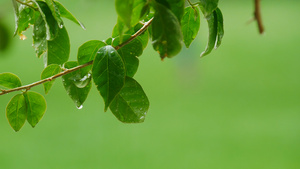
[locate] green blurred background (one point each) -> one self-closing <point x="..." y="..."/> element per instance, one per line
<point x="238" y="108"/>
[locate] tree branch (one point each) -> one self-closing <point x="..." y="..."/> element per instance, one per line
<point x="23" y="3"/>
<point x="67" y="71"/>
<point x="257" y="16"/>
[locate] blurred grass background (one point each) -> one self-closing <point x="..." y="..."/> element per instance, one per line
<point x="238" y="108"/>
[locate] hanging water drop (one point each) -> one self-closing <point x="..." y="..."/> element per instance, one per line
<point x="80" y="107"/>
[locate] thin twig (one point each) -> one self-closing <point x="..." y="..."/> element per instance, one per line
<point x="67" y="71"/>
<point x="23" y="3"/>
<point x="257" y="16"/>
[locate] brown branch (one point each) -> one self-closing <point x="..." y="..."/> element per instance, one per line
<point x="67" y="71"/>
<point x="257" y="16"/>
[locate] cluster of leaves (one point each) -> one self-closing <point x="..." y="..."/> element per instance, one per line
<point x="110" y="64"/>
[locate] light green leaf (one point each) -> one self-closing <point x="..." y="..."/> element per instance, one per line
<point x="213" y="32"/>
<point x="49" y="71"/>
<point x="176" y="6"/>
<point x="39" y="37"/>
<point x="58" y="49"/>
<point x="137" y="8"/>
<point x="55" y="12"/>
<point x="108" y="73"/>
<point x="78" y="95"/>
<point x="208" y="6"/>
<point x="36" y="107"/>
<point x="220" y="27"/>
<point x="87" y="52"/>
<point x="27" y="17"/>
<point x="16" y="13"/>
<point x="124" y="10"/>
<point x="132" y="104"/>
<point x="67" y="14"/>
<point x="129" y="53"/>
<point x="166" y="32"/>
<point x="190" y="25"/>
<point x="9" y="80"/>
<point x="16" y="112"/>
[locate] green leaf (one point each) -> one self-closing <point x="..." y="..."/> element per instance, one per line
<point x="208" y="6"/>
<point x="132" y="104"/>
<point x="118" y="29"/>
<point x="213" y="32"/>
<point x="176" y="6"/>
<point x="27" y="17"/>
<point x="87" y="52"/>
<point x="49" y="21"/>
<point x="108" y="73"/>
<point x="220" y="27"/>
<point x="16" y="13"/>
<point x="16" y="112"/>
<point x="39" y="37"/>
<point x="190" y="25"/>
<point x="55" y="12"/>
<point x="9" y="80"/>
<point x="36" y="107"/>
<point x="49" y="71"/>
<point x="166" y="32"/>
<point x="137" y="9"/>
<point x="124" y="10"/>
<point x="129" y="54"/>
<point x="58" y="49"/>
<point x="67" y="14"/>
<point x="78" y="95"/>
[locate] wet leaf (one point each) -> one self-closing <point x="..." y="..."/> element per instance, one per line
<point x="87" y="52"/>
<point x="27" y="17"/>
<point x="213" y="32"/>
<point x="16" y="112"/>
<point x="39" y="37"/>
<point x="55" y="12"/>
<point x="129" y="54"/>
<point x="67" y="14"/>
<point x="190" y="25"/>
<point x="166" y="32"/>
<point x="36" y="107"/>
<point x="49" y="71"/>
<point x="58" y="49"/>
<point x="108" y="73"/>
<point x="78" y="95"/>
<point x="132" y="104"/>
<point x="9" y="80"/>
<point x="220" y="27"/>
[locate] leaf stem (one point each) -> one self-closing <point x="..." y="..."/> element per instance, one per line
<point x="67" y="71"/>
<point x="257" y="16"/>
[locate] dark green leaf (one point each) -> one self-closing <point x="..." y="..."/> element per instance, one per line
<point x="50" y="22"/>
<point x="213" y="32"/>
<point x="16" y="112"/>
<point x="9" y="80"/>
<point x="220" y="27"/>
<point x="78" y="95"/>
<point x="88" y="51"/>
<point x="36" y="107"/>
<point x="132" y="104"/>
<point x="55" y="12"/>
<point x="124" y="10"/>
<point x="108" y="73"/>
<point x="48" y="72"/>
<point x="208" y="6"/>
<point x="190" y="25"/>
<point x="166" y="32"/>
<point x="67" y="14"/>
<point x="129" y="53"/>
<point x="58" y="49"/>
<point x="27" y="17"/>
<point x="176" y="6"/>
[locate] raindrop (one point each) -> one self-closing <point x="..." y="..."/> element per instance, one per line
<point x="80" y="107"/>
